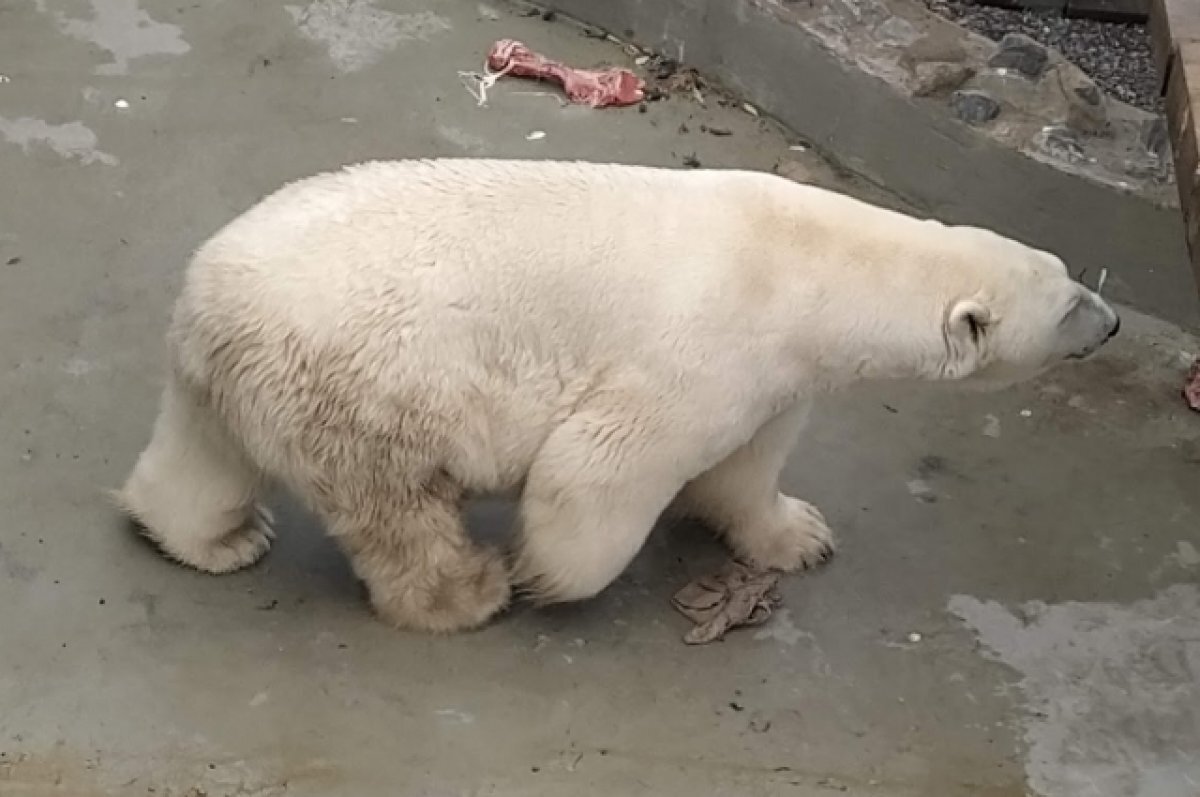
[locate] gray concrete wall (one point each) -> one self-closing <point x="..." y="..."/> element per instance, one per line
<point x="913" y="147"/>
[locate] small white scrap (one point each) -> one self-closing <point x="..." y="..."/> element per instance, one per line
<point x="258" y="700"/>
<point x="122" y="104"/>
<point x="641" y="60"/>
<point x="5" y="79"/>
<point x="349" y="120"/>
<point x="455" y="715"/>
<point x="921" y="490"/>
<point x="1026" y="413"/>
<point x="536" y="135"/>
<point x="1100" y="282"/>
<point x="478" y="83"/>
<point x="750" y="109"/>
<point x="914" y="637"/>
<point x="798" y="148"/>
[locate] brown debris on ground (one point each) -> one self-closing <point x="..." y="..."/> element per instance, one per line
<point x="737" y="596"/>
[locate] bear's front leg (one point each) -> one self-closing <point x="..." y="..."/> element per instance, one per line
<point x="594" y="492"/>
<point x="740" y="498"/>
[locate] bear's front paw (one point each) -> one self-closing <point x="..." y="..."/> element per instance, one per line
<point x="442" y="597"/>
<point x="794" y="538"/>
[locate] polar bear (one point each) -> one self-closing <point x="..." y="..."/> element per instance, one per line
<point x="608" y="341"/>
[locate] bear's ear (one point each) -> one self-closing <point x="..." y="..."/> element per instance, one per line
<point x="968" y="321"/>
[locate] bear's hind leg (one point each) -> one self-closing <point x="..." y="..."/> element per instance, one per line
<point x="194" y="492"/>
<point x="422" y="570"/>
<point x="740" y="497"/>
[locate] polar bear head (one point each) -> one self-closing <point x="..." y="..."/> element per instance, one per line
<point x="1015" y="311"/>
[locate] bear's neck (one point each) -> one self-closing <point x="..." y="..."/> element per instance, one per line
<point x="867" y="337"/>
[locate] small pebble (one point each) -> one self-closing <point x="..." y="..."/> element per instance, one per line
<point x="122" y="104"/>
<point x="536" y="135"/>
<point x="914" y="637"/>
<point x="1026" y="413"/>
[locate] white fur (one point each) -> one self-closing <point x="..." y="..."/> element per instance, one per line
<point x="609" y="340"/>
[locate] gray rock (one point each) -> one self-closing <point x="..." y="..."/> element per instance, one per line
<point x="974" y="107"/>
<point x="1150" y="168"/>
<point x="1060" y="143"/>
<point x="1155" y="139"/>
<point x="939" y="45"/>
<point x="1018" y="51"/>
<point x="1087" y="112"/>
<point x="862" y="11"/>
<point x="1116" y="56"/>
<point x="1090" y="94"/>
<point x="896" y="32"/>
<point x="938" y="77"/>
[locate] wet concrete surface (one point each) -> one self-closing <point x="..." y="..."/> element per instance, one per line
<point x="985" y="539"/>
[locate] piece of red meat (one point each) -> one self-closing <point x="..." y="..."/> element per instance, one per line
<point x="1191" y="388"/>
<point x="594" y="87"/>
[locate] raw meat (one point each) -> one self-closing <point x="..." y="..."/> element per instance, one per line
<point x="595" y="87"/>
<point x="1191" y="388"/>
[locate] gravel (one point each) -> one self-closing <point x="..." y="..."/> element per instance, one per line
<point x="1116" y="56"/>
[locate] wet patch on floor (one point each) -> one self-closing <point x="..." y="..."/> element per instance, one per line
<point x="1112" y="692"/>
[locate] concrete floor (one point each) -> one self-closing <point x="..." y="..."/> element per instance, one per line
<point x="1014" y="609"/>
